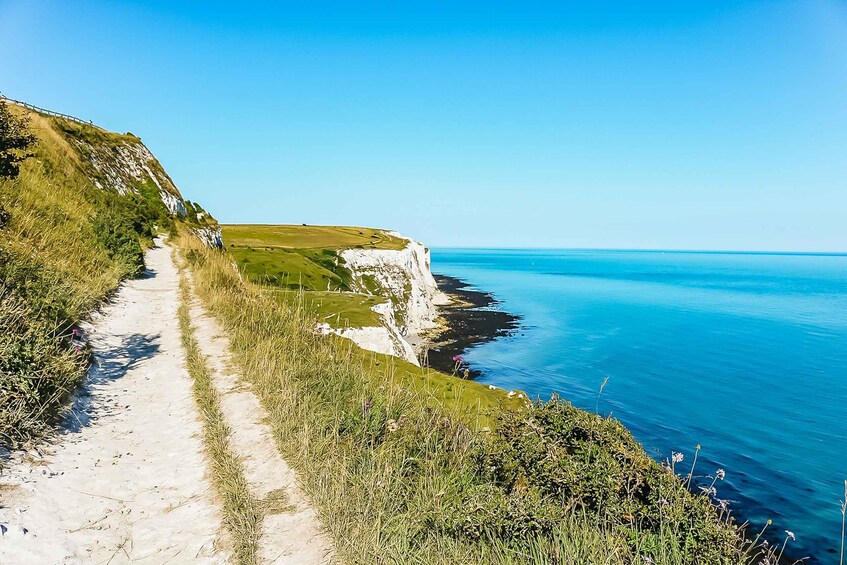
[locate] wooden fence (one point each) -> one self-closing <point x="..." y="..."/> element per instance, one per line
<point x="48" y="112"/>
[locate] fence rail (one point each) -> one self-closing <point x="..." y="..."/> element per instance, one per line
<point x="5" y="98"/>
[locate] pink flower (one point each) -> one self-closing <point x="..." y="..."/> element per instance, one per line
<point x="457" y="358"/>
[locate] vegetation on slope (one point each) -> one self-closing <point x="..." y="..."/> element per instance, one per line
<point x="64" y="245"/>
<point x="306" y="258"/>
<point x="411" y="466"/>
<point x="241" y="511"/>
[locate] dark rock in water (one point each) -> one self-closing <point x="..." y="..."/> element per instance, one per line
<point x="471" y="319"/>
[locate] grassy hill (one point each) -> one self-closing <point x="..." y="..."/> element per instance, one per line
<point x="294" y="264"/>
<point x="302" y="262"/>
<point x="75" y="222"/>
<point x="311" y="237"/>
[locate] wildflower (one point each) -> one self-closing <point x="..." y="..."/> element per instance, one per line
<point x="677" y="457"/>
<point x="457" y="358"/>
<point x="790" y="535"/>
<point x="720" y="474"/>
<point x="664" y="501"/>
<point x="367" y="405"/>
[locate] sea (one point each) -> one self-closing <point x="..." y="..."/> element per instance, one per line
<point x="744" y="354"/>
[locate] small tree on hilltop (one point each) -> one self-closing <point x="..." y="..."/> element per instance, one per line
<point x="15" y="140"/>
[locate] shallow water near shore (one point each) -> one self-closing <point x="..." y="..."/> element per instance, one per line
<point x="742" y="353"/>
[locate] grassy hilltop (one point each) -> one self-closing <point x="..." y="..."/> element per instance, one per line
<point x="288" y="258"/>
<point x="273" y="257"/>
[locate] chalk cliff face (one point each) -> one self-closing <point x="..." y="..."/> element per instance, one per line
<point x="123" y="166"/>
<point x="210" y="236"/>
<point x="404" y="278"/>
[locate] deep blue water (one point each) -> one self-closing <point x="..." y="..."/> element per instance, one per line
<point x="744" y="354"/>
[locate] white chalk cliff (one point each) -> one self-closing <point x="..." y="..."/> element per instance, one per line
<point x="122" y="166"/>
<point x="125" y="165"/>
<point x="403" y="277"/>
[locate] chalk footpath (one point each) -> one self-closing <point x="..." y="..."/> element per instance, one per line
<point x="126" y="478"/>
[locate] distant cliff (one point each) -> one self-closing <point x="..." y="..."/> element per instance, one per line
<point x="403" y="277"/>
<point x="369" y="285"/>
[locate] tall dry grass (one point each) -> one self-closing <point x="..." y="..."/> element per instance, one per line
<point x="52" y="272"/>
<point x="241" y="512"/>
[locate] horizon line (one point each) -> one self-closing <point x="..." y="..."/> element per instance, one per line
<point x="647" y="250"/>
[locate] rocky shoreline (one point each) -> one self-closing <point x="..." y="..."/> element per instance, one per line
<point x="471" y="318"/>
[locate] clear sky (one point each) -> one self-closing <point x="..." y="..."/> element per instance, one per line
<point x="678" y="125"/>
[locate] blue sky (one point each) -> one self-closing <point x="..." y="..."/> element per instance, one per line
<point x="679" y="125"/>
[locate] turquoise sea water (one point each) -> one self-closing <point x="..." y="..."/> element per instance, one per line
<point x="744" y="354"/>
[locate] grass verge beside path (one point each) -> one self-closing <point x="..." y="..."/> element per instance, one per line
<point x="241" y="512"/>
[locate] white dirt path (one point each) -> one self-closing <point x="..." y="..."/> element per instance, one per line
<point x="126" y="479"/>
<point x="292" y="536"/>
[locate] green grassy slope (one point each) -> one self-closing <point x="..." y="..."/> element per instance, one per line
<point x="305" y="258"/>
<point x="296" y="264"/>
<point x="64" y="245"/>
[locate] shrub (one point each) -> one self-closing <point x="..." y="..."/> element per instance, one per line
<point x="116" y="232"/>
<point x="558" y="459"/>
<point x="15" y="141"/>
<point x="37" y="371"/>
